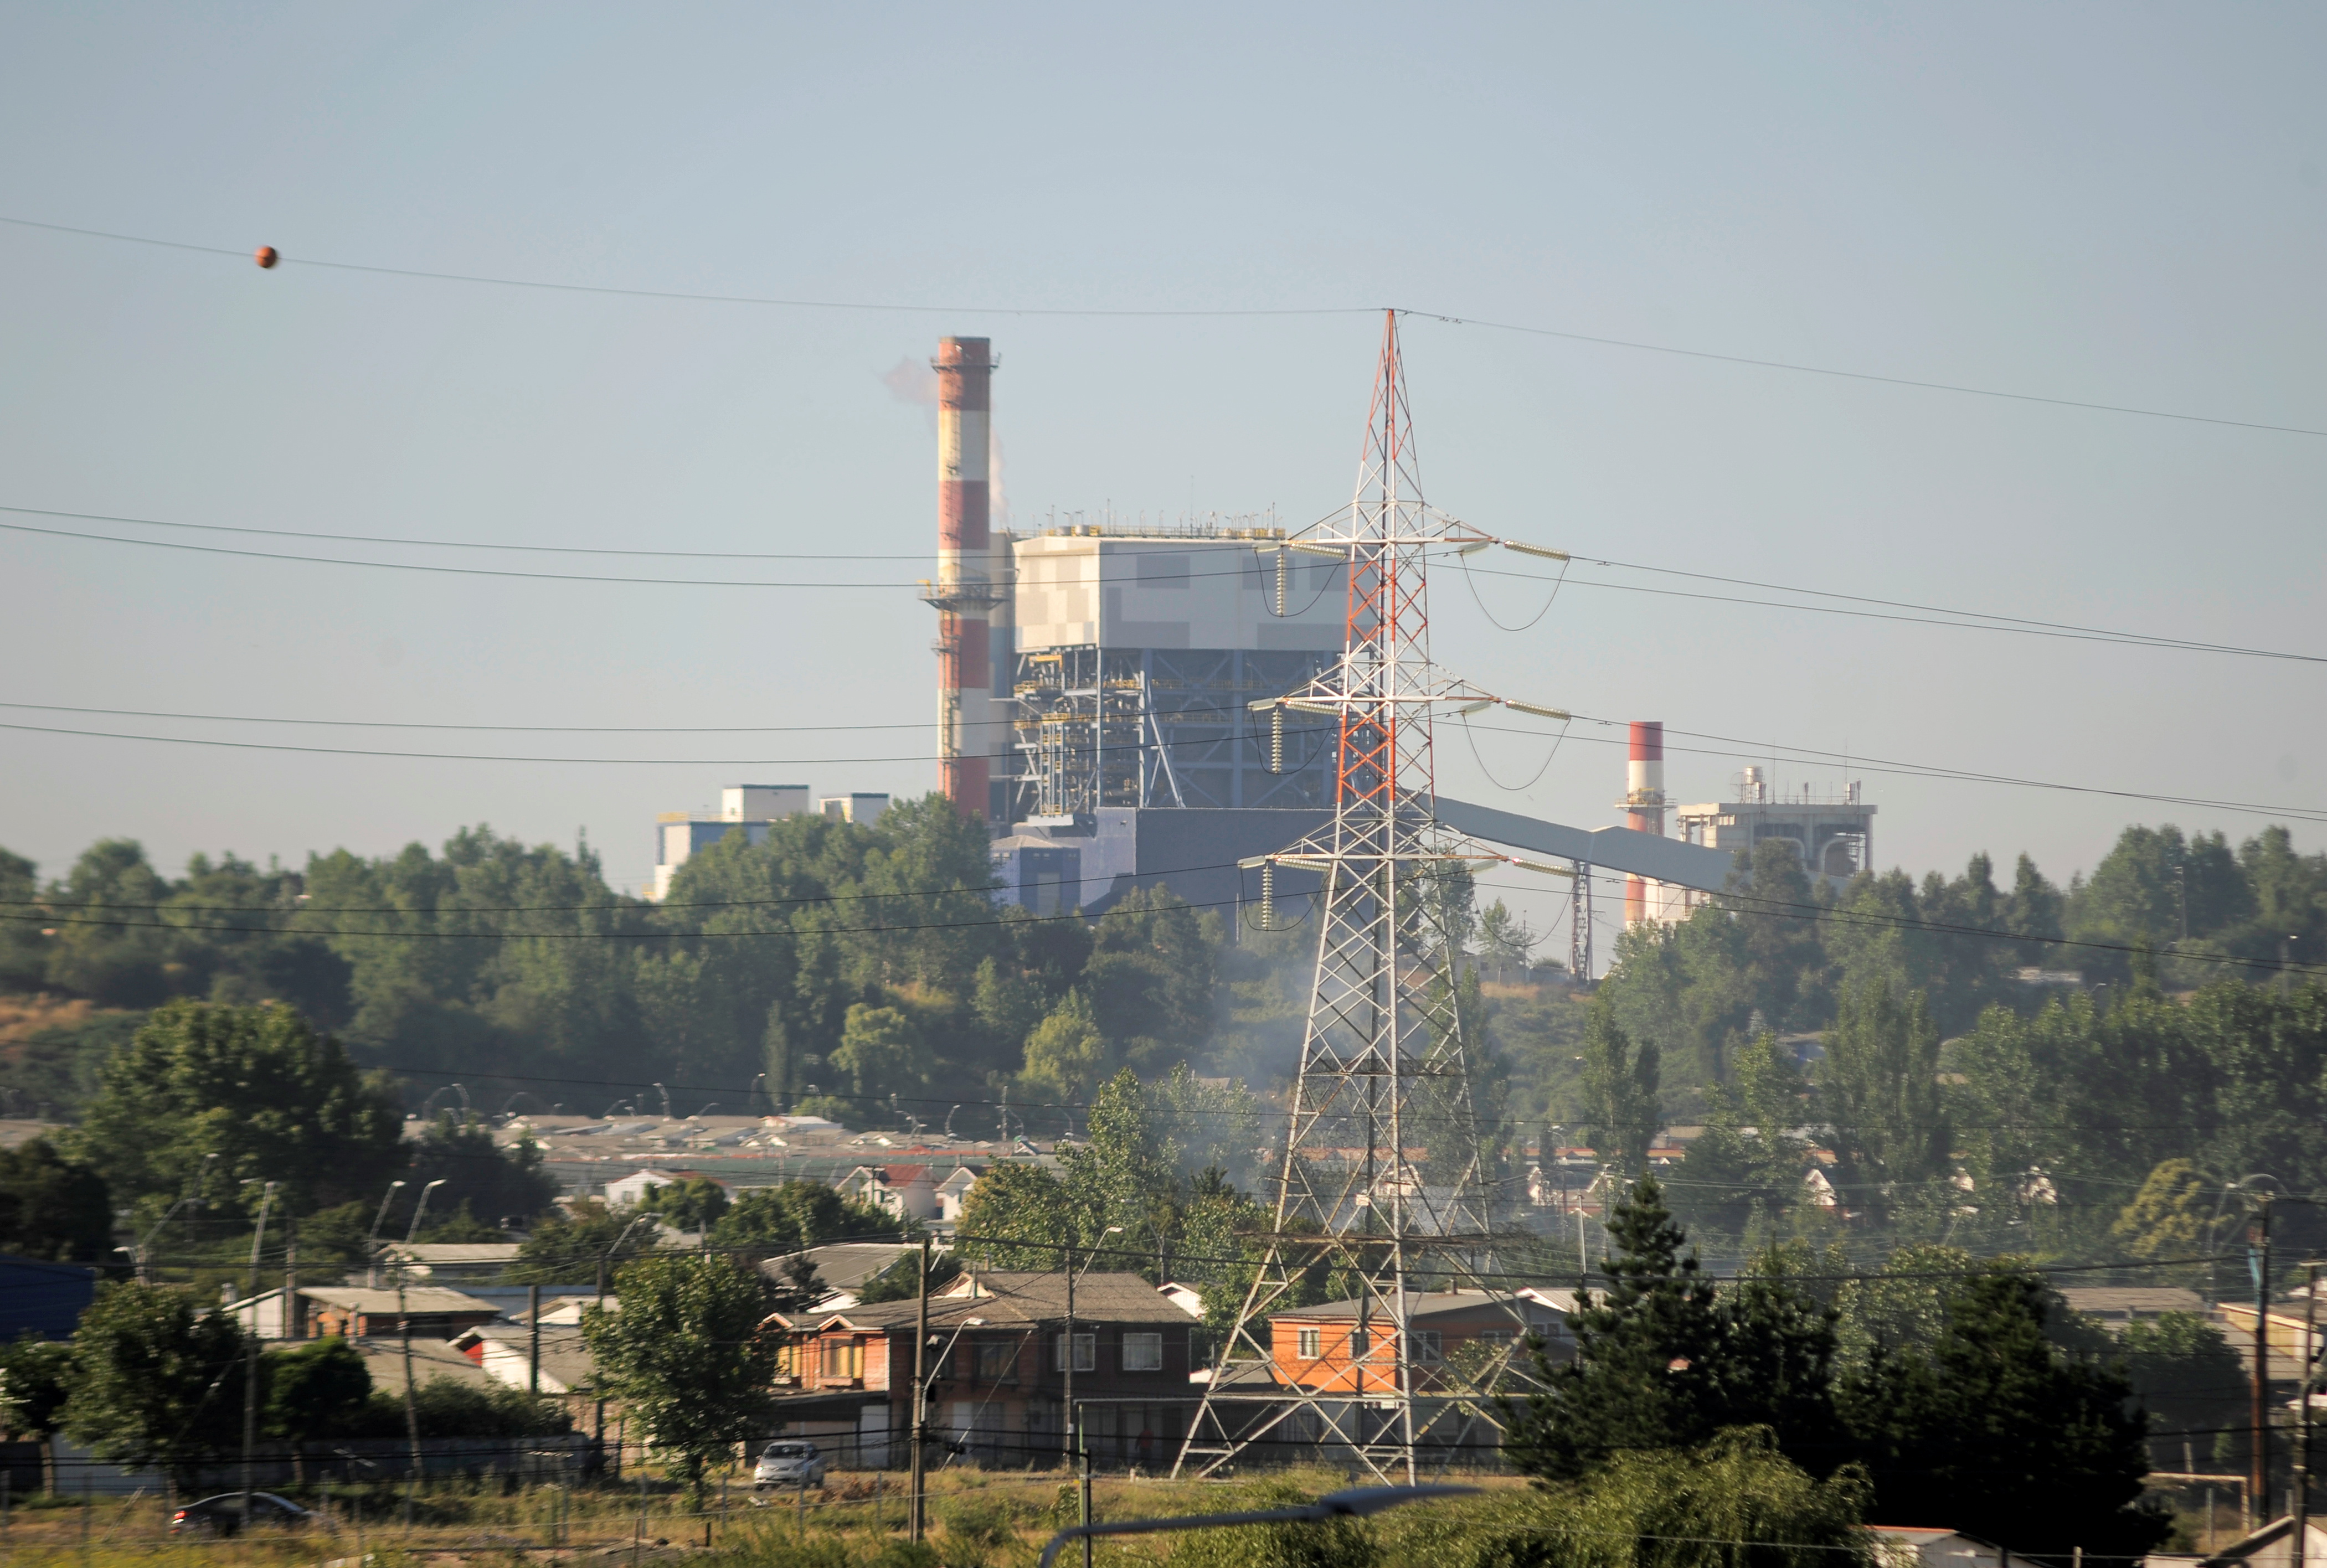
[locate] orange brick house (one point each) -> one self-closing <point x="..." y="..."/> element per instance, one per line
<point x="1457" y="1335"/>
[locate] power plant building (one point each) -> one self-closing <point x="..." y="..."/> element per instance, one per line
<point x="1833" y="834"/>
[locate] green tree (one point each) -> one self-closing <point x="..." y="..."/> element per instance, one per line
<point x="1881" y="1093"/>
<point x="2172" y="1215"/>
<point x="2013" y="1439"/>
<point x="1017" y="1216"/>
<point x="689" y="1354"/>
<point x="2186" y="1376"/>
<point x="694" y="1204"/>
<point x="35" y="1379"/>
<point x="23" y="964"/>
<point x="51" y="1206"/>
<point x="1066" y="1053"/>
<point x="1505" y="942"/>
<point x="150" y="1376"/>
<point x="1620" y="1092"/>
<point x="1150" y="976"/>
<point x="256" y="1085"/>
<point x="494" y="1182"/>
<point x="314" y="1392"/>
<point x="570" y="1248"/>
<point x="1735" y="1501"/>
<point x="883" y="1053"/>
<point x="793" y="1216"/>
<point x="1749" y="1153"/>
<point x="1664" y="1361"/>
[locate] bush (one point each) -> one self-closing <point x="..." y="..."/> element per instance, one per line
<point x="975" y="1526"/>
<point x="1342" y="1544"/>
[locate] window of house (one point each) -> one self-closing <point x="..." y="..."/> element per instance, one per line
<point x="1360" y="1344"/>
<point x="843" y="1358"/>
<point x="1429" y="1349"/>
<point x="1143" y="1352"/>
<point x="997" y="1363"/>
<point x="1086" y="1352"/>
<point x="1496" y="1338"/>
<point x="1311" y="1343"/>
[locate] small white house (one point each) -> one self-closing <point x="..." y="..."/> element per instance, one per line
<point x="629" y="1191"/>
<point x="1904" y="1547"/>
<point x="907" y="1192"/>
<point x="954" y="1191"/>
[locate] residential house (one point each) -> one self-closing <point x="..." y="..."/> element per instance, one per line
<point x="1460" y="1337"/>
<point x="1189" y="1299"/>
<point x="1902" y="1547"/>
<point x="434" y="1312"/>
<point x="953" y="1194"/>
<point x="907" y="1192"/>
<point x="999" y="1371"/>
<point x="842" y="1267"/>
<point x="630" y="1191"/>
<point x="504" y="1351"/>
<point x="448" y="1262"/>
<point x="2114" y="1306"/>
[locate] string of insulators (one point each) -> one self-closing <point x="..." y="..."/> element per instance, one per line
<point x="1280" y="582"/>
<point x="1277" y="738"/>
<point x="1268" y="892"/>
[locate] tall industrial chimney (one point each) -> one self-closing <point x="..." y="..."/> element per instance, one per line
<point x="964" y="591"/>
<point x="1644" y="805"/>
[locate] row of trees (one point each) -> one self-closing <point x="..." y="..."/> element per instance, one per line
<point x="854" y="965"/>
<point x="207" y="1108"/>
<point x="1785" y="955"/>
<point x="2063" y="1112"/>
<point x="1948" y="1391"/>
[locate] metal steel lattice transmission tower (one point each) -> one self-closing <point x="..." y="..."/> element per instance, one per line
<point x="1383" y="1169"/>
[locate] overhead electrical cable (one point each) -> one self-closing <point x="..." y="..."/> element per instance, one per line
<point x="1982" y="623"/>
<point x="1749" y="749"/>
<point x="1215" y="313"/>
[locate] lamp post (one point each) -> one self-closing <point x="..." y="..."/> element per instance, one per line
<point x="611" y="1251"/>
<point x="925" y="1373"/>
<point x="371" y="1242"/>
<point x="420" y="1210"/>
<point x="1067" y="1344"/>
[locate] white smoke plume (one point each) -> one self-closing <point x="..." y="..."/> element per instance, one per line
<point x="910" y="380"/>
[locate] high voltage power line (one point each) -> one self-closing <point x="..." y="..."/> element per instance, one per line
<point x="1934" y="616"/>
<point x="1598" y="340"/>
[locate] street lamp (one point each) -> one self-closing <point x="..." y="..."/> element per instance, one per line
<point x="251" y="1355"/>
<point x="371" y="1242"/>
<point x="611" y="1251"/>
<point x="421" y="1208"/>
<point x="1067" y="1345"/>
<point x="922" y="1385"/>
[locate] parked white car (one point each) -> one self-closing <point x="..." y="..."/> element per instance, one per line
<point x="788" y="1462"/>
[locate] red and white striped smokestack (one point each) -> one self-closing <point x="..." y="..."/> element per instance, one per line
<point x="965" y="368"/>
<point x="1644" y="803"/>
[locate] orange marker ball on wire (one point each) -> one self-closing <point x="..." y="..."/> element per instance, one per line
<point x="266" y="256"/>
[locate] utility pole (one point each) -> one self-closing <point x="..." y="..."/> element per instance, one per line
<point x="1067" y="1359"/>
<point x="411" y="1407"/>
<point x="2259" y="1468"/>
<point x="915" y="1507"/>
<point x="2303" y="1410"/>
<point x="250" y="1354"/>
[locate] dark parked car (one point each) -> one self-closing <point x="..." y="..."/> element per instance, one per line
<point x="222" y="1515"/>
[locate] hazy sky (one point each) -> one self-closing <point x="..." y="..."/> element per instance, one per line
<point x="2109" y="203"/>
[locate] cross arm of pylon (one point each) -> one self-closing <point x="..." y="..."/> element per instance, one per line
<point x="1521" y="546"/>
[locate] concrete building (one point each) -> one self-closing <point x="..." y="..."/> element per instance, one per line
<point x="864" y="808"/>
<point x="1834" y="835"/>
<point x="749" y="809"/>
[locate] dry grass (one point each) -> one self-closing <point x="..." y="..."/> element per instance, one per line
<point x="976" y="1519"/>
